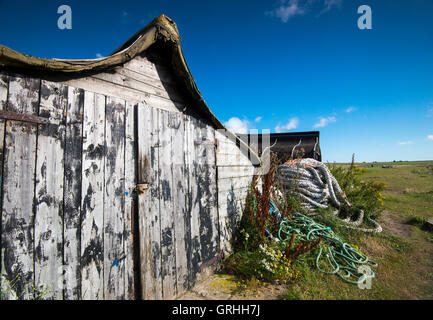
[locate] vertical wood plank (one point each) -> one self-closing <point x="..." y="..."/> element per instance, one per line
<point x="212" y="225"/>
<point x="206" y="191"/>
<point x="154" y="206"/>
<point x="49" y="192"/>
<point x="114" y="200"/>
<point x="168" y="256"/>
<point x="193" y="199"/>
<point x="188" y="145"/>
<point x="130" y="183"/>
<point x="92" y="199"/>
<point x="4" y="83"/>
<point x="72" y="194"/>
<point x="144" y="177"/>
<point x="180" y="187"/>
<point x="148" y="202"/>
<point x="18" y="189"/>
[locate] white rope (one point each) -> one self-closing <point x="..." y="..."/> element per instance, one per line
<point x="318" y="188"/>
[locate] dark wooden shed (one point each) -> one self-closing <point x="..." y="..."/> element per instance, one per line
<point x="288" y="145"/>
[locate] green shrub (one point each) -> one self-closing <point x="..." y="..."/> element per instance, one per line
<point x="366" y="196"/>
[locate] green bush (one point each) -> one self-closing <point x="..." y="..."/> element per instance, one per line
<point x="366" y="196"/>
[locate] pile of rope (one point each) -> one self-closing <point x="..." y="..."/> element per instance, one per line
<point x="318" y="188"/>
<point x="343" y="260"/>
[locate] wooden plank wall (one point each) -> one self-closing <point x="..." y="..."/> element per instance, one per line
<point x="138" y="81"/>
<point x="68" y="190"/>
<point x="67" y="186"/>
<point x="235" y="172"/>
<point x="49" y="190"/>
<point x="178" y="211"/>
<point x="17" y="229"/>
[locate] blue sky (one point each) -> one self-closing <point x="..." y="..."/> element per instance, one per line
<point x="284" y="65"/>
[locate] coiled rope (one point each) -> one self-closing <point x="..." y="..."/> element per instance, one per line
<point x="312" y="181"/>
<point x="343" y="259"/>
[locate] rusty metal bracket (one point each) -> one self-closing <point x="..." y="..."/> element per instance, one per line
<point x="142" y="187"/>
<point x="9" y="115"/>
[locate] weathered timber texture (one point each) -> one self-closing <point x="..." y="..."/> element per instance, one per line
<point x="114" y="200"/>
<point x="166" y="188"/>
<point x="18" y="189"/>
<point x="49" y="191"/>
<point x="235" y="172"/>
<point x="179" y="195"/>
<point x="72" y="194"/>
<point x="149" y="202"/>
<point x="4" y="83"/>
<point x="66" y="231"/>
<point x="130" y="184"/>
<point x="139" y="80"/>
<point x="193" y="198"/>
<point x="179" y="172"/>
<point x="92" y="198"/>
<point x="74" y="182"/>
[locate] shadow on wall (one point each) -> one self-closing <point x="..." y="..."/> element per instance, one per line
<point x="234" y="214"/>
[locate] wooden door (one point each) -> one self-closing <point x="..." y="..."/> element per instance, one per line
<point x="67" y="175"/>
<point x="177" y="212"/>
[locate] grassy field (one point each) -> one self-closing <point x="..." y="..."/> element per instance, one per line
<point x="404" y="250"/>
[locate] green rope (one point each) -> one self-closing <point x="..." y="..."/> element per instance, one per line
<point x="343" y="259"/>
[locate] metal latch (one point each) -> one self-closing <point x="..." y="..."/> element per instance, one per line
<point x="142" y="187"/>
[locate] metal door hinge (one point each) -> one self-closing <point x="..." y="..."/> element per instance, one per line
<point x="23" y="117"/>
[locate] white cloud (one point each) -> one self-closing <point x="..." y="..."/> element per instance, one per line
<point x="286" y="10"/>
<point x="291" y="124"/>
<point x="323" y="122"/>
<point x="237" y="125"/>
<point x="329" y="4"/>
<point x="350" y="109"/>
<point x="125" y="17"/>
<point x="430" y="137"/>
<point x="98" y="55"/>
<point x="258" y="119"/>
<point x="403" y="143"/>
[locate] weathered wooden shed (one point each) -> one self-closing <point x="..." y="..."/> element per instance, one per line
<point x="117" y="181"/>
